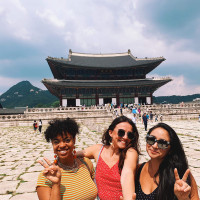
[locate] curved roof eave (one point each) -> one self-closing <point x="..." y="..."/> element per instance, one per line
<point x="105" y="83"/>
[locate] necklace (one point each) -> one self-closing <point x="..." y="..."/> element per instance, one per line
<point x="73" y="168"/>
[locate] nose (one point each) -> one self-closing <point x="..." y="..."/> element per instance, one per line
<point x="125" y="136"/>
<point x="155" y="145"/>
<point x="62" y="144"/>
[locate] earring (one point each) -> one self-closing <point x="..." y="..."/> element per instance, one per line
<point x="74" y="153"/>
<point x="56" y="159"/>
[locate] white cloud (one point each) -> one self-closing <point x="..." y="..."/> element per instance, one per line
<point x="93" y="26"/>
<point x="51" y="17"/>
<point x="7" y="83"/>
<point x="177" y="86"/>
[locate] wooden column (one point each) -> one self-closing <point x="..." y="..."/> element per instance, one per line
<point x="97" y="97"/>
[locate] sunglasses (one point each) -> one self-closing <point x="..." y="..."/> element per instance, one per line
<point x="122" y="132"/>
<point x="162" y="144"/>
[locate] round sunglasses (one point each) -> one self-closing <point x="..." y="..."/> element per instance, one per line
<point x="162" y="144"/>
<point x="122" y="132"/>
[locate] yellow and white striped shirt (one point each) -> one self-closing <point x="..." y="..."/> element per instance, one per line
<point x="75" y="186"/>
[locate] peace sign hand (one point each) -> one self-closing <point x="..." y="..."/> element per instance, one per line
<point x="181" y="188"/>
<point x="51" y="171"/>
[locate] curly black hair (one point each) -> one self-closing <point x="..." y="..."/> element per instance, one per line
<point x="61" y="127"/>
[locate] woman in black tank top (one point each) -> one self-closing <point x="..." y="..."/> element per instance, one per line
<point x="158" y="179"/>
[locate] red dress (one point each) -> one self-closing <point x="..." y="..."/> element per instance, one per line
<point x="108" y="181"/>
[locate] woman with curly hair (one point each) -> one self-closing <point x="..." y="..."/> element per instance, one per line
<point x="69" y="177"/>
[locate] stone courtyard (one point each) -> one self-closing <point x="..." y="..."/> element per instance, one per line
<point x="20" y="149"/>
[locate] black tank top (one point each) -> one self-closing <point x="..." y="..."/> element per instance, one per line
<point x="140" y="195"/>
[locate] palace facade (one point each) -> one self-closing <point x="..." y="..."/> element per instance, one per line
<point x="96" y="79"/>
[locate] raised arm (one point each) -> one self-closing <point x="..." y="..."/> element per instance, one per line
<point x="182" y="190"/>
<point x="52" y="173"/>
<point x="90" y="152"/>
<point x="128" y="174"/>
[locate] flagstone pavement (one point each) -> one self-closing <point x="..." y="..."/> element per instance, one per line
<point x="20" y="149"/>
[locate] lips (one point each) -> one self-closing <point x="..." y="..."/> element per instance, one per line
<point x="153" y="152"/>
<point x="63" y="152"/>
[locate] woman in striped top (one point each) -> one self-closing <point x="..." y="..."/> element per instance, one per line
<point x="69" y="177"/>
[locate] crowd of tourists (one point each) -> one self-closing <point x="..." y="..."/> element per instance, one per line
<point x="118" y="175"/>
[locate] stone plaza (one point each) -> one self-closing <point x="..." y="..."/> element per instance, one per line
<point x="20" y="149"/>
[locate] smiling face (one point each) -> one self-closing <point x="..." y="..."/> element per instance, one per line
<point x="153" y="150"/>
<point x="63" y="146"/>
<point x="117" y="141"/>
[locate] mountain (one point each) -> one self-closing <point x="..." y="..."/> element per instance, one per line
<point x="175" y="99"/>
<point x="25" y="94"/>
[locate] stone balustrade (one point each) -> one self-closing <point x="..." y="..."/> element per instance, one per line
<point x="180" y="111"/>
<point x="64" y="109"/>
<point x="47" y="114"/>
<point x="168" y="111"/>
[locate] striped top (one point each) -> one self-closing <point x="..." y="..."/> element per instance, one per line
<point x="74" y="186"/>
<point x="108" y="181"/>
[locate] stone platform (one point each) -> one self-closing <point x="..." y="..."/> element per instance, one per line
<point x="20" y="149"/>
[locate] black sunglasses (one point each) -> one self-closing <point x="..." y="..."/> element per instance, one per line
<point x="162" y="144"/>
<point x="121" y="133"/>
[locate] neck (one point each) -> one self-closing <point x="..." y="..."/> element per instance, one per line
<point x="113" y="150"/>
<point x="153" y="166"/>
<point x="69" y="161"/>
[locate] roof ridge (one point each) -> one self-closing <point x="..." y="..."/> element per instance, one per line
<point x="99" y="55"/>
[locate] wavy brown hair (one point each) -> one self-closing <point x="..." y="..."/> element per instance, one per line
<point x="106" y="139"/>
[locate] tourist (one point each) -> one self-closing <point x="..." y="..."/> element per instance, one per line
<point x="145" y="120"/>
<point x="199" y="118"/>
<point x="121" y="112"/>
<point x="134" y="118"/>
<point x="116" y="113"/>
<point x="35" y="126"/>
<point x="156" y="117"/>
<point x="161" y="118"/>
<point x="69" y="177"/>
<point x="159" y="178"/>
<point x="151" y="116"/>
<point x="40" y="126"/>
<point x="120" y="150"/>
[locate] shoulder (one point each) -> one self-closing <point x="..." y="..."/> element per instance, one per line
<point x="131" y="159"/>
<point x="43" y="181"/>
<point x="131" y="152"/>
<point x="96" y="147"/>
<point x="87" y="161"/>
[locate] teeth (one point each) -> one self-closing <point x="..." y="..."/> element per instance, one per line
<point x="63" y="151"/>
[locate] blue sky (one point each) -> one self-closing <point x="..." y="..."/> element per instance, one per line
<point x="32" y="30"/>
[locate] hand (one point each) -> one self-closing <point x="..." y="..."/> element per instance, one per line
<point x="51" y="171"/>
<point x="181" y="188"/>
<point x="133" y="197"/>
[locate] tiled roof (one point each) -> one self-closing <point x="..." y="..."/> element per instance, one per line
<point x="105" y="60"/>
<point x="105" y="83"/>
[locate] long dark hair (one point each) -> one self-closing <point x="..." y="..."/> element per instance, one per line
<point x="106" y="139"/>
<point x="175" y="158"/>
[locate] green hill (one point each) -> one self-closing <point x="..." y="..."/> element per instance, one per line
<point x="25" y="94"/>
<point x="175" y="99"/>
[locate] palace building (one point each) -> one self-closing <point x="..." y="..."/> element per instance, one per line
<point x="96" y="79"/>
